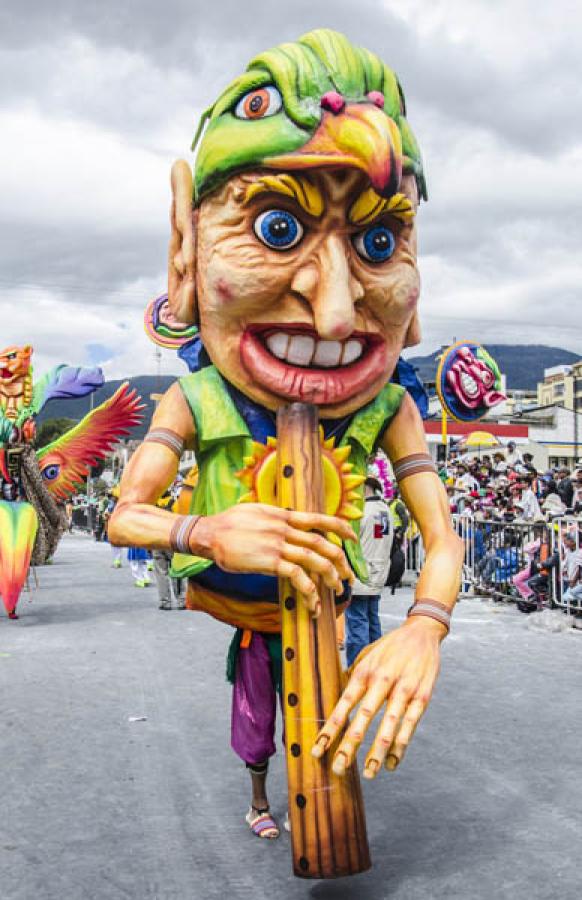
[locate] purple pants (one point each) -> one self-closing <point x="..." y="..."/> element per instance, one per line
<point x="521" y="582"/>
<point x="254" y="704"/>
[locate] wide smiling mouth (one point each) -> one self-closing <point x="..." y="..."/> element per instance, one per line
<point x="6" y="373"/>
<point x="469" y="385"/>
<point x="301" y="346"/>
<point x="292" y="361"/>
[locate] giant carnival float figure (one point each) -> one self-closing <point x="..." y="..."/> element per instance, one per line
<point x="35" y="483"/>
<point x="293" y="249"/>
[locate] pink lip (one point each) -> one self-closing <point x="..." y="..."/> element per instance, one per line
<point x="321" y="386"/>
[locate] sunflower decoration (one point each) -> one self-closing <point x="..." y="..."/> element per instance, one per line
<point x="340" y="485"/>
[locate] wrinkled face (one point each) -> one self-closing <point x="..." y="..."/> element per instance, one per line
<point x="297" y="301"/>
<point x="14" y="363"/>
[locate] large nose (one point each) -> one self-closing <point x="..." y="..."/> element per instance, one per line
<point x="328" y="284"/>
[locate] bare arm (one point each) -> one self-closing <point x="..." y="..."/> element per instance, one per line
<point x="401" y="668"/>
<point x="426" y="499"/>
<point x="250" y="537"/>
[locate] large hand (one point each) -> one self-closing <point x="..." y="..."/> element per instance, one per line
<point x="255" y="537"/>
<point x="401" y="668"/>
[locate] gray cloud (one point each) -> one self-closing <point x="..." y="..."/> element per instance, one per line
<point x="97" y="100"/>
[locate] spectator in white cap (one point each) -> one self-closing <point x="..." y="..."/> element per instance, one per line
<point x="512" y="454"/>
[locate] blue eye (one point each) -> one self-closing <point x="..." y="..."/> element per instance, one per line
<point x="51" y="472"/>
<point x="278" y="229"/>
<point x="376" y="244"/>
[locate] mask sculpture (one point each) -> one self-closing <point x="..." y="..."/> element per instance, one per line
<point x="34" y="482"/>
<point x="468" y="382"/>
<point x="293" y="250"/>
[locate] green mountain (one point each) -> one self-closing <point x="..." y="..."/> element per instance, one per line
<point x="523" y="364"/>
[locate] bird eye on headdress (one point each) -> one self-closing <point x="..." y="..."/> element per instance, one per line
<point x="259" y="103"/>
<point x="51" y="472"/>
<point x="278" y="229"/>
<point x="375" y="244"/>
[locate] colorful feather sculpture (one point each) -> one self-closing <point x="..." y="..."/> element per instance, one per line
<point x="43" y="480"/>
<point x="65" y="463"/>
<point x="64" y="382"/>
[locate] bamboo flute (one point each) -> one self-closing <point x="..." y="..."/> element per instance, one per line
<point x="328" y="827"/>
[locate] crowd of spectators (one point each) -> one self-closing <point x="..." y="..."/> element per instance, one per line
<point x="505" y="486"/>
<point x="510" y="511"/>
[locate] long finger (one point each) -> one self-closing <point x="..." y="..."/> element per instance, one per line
<point x="370" y="705"/>
<point x="316" y="542"/>
<point x="321" y="522"/>
<point x="396" y="709"/>
<point x="314" y="564"/>
<point x="301" y="582"/>
<point x="355" y="690"/>
<point x="405" y="732"/>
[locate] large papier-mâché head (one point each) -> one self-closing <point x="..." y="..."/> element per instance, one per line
<point x="294" y="245"/>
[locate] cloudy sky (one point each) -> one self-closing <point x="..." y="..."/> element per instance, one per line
<point x="97" y="100"/>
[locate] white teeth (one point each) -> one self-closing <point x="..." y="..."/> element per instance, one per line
<point x="303" y="350"/>
<point x="300" y="350"/>
<point x="327" y="354"/>
<point x="469" y="384"/>
<point x="277" y="344"/>
<point x="352" y="352"/>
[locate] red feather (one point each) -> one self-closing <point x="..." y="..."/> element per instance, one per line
<point x="90" y="441"/>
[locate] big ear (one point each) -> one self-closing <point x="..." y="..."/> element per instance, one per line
<point x="413" y="335"/>
<point x="182" y="251"/>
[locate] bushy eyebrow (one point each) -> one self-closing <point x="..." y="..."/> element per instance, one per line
<point x="299" y="188"/>
<point x="369" y="205"/>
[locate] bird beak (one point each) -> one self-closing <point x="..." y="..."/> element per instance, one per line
<point x="362" y="137"/>
<point x="18" y="527"/>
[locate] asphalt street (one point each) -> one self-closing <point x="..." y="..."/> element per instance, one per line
<point x="117" y="779"/>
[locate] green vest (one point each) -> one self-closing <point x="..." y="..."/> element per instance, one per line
<point x="223" y="440"/>
<point x="393" y="507"/>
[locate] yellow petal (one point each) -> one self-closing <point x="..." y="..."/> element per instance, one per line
<point x="341" y="453"/>
<point x="353" y="481"/>
<point x="248" y="498"/>
<point x="348" y="511"/>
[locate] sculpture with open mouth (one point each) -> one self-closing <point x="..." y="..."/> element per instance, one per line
<point x="293" y="249"/>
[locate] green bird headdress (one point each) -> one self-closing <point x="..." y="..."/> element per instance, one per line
<point x="317" y="102"/>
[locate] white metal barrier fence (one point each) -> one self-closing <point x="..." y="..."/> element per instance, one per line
<point x="570" y="600"/>
<point x="513" y="560"/>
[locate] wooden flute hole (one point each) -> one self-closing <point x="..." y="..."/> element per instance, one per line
<point x="287" y="471"/>
<point x="292" y="699"/>
<point x="295" y="750"/>
<point x="303" y="863"/>
<point x="289" y="654"/>
<point x="289" y="603"/>
<point x="300" y="801"/>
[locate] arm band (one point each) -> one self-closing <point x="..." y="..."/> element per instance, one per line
<point x="180" y="533"/>
<point x="413" y="465"/>
<point x="433" y="610"/>
<point x="168" y="438"/>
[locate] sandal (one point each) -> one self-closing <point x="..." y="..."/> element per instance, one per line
<point x="262" y="824"/>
